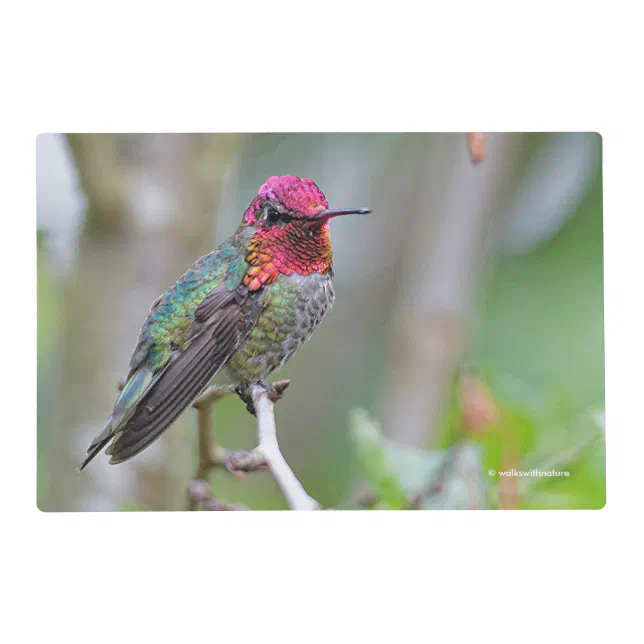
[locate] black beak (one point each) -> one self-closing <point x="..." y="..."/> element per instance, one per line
<point x="328" y="214"/>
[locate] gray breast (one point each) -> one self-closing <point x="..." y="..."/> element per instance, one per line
<point x="315" y="299"/>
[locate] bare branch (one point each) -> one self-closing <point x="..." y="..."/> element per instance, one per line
<point x="240" y="462"/>
<point x="268" y="447"/>
<point x="266" y="455"/>
<point x="200" y="494"/>
<point x="212" y="394"/>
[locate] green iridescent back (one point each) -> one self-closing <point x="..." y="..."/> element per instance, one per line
<point x="171" y="318"/>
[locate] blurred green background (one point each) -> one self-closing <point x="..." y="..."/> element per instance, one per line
<point x="466" y="338"/>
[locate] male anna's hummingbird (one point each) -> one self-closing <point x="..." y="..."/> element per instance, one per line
<point x="249" y="306"/>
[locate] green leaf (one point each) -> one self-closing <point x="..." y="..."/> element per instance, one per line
<point x="372" y="456"/>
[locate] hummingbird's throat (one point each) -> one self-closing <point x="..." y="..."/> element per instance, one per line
<point x="299" y="247"/>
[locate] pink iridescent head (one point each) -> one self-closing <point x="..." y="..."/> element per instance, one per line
<point x="289" y="219"/>
<point x="288" y="198"/>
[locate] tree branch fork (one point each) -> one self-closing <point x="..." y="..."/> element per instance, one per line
<point x="266" y="456"/>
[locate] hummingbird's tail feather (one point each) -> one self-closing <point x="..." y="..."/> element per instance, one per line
<point x="98" y="444"/>
<point x="133" y="391"/>
<point x="92" y="454"/>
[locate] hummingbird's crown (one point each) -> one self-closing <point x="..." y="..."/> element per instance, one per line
<point x="300" y="196"/>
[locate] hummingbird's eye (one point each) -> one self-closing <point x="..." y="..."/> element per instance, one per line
<point x="272" y="216"/>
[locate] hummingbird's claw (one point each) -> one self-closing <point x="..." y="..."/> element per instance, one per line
<point x="243" y="391"/>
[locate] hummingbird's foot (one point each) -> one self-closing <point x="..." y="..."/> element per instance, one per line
<point x="243" y="391"/>
<point x="274" y="390"/>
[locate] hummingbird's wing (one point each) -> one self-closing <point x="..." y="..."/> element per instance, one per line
<point x="188" y="373"/>
<point x="155" y="395"/>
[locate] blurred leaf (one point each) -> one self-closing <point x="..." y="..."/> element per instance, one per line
<point x="514" y="434"/>
<point x="372" y="456"/>
<point x="445" y="479"/>
<point x="439" y="479"/>
<point x="577" y="448"/>
<point x="569" y="443"/>
<point x="415" y="468"/>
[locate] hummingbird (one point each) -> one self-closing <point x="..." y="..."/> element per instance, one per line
<point x="246" y="307"/>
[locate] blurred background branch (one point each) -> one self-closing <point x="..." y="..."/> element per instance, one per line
<point x="208" y="457"/>
<point x="443" y="258"/>
<point x="103" y="179"/>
